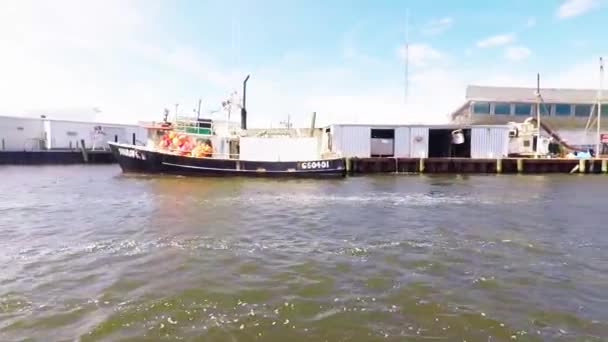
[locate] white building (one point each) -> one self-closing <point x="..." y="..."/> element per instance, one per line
<point x="31" y="134"/>
<point x="572" y="113"/>
<point x="417" y="141"/>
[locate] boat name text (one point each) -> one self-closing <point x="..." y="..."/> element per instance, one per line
<point x="315" y="165"/>
<point x="131" y="154"/>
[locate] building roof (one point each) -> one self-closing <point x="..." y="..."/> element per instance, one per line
<point x="430" y="126"/>
<point x="516" y="94"/>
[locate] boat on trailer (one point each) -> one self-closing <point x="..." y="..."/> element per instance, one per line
<point x="205" y="147"/>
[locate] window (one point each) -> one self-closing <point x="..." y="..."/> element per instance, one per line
<point x="582" y="110"/>
<point x="523" y="109"/>
<point x="604" y="109"/>
<point x="562" y="110"/>
<point x="502" y="109"/>
<point x="545" y="109"/>
<point x="383" y="133"/>
<point x="481" y="108"/>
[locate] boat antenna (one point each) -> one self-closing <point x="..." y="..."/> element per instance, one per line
<point x="198" y="112"/>
<point x="287" y="123"/>
<point x="599" y="109"/>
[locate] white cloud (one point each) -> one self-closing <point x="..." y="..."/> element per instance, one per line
<point x="438" y="26"/>
<point x="517" y="53"/>
<point x="420" y="54"/>
<point x="573" y="8"/>
<point x="63" y="67"/>
<point x="584" y="74"/>
<point x="498" y="40"/>
<point x="531" y="22"/>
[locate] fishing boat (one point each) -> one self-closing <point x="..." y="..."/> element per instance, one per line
<point x="206" y="147"/>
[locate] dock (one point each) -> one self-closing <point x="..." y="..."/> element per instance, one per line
<point x="56" y="157"/>
<point x="362" y="166"/>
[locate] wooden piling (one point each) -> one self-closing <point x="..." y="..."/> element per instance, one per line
<point x="134" y="139"/>
<point x="474" y="165"/>
<point x="85" y="156"/>
<point x="2" y="144"/>
<point x="520" y="165"/>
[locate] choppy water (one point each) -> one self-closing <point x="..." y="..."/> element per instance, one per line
<point x="90" y="254"/>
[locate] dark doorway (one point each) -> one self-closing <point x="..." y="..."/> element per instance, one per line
<point x="382" y="142"/>
<point x="440" y="144"/>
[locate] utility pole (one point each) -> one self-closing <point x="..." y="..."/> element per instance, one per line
<point x="599" y="110"/>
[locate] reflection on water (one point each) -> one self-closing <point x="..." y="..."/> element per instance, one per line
<point x="91" y="254"/>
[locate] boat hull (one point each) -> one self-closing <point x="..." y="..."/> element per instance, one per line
<point x="137" y="159"/>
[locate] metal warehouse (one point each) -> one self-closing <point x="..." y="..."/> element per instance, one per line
<point x="34" y="134"/>
<point x="419" y="141"/>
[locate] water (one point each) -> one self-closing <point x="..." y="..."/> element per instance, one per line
<point x="90" y="254"/>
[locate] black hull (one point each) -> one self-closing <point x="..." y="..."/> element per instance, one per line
<point x="136" y="159"/>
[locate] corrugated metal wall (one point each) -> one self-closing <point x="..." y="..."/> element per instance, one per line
<point x="351" y="141"/>
<point x="413" y="142"/>
<point x="20" y="134"/>
<point x="66" y="134"/>
<point x="489" y="142"/>
<point x="419" y="142"/>
<point x="402" y="142"/>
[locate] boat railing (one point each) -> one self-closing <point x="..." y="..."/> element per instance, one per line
<point x="216" y="155"/>
<point x="193" y="126"/>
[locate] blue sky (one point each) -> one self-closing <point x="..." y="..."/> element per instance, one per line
<point x="343" y="59"/>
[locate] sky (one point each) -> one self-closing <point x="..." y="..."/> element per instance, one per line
<point x="128" y="60"/>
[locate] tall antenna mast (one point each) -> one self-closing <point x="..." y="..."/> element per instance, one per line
<point x="538" y="101"/>
<point x="599" y="110"/>
<point x="407" y="53"/>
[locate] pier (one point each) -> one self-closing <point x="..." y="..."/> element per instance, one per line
<point x="52" y="157"/>
<point x="362" y="166"/>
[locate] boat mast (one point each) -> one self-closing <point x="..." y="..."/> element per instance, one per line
<point x="599" y="109"/>
<point x="198" y="112"/>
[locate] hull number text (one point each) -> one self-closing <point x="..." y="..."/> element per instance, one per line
<point x="131" y="154"/>
<point x="315" y="165"/>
